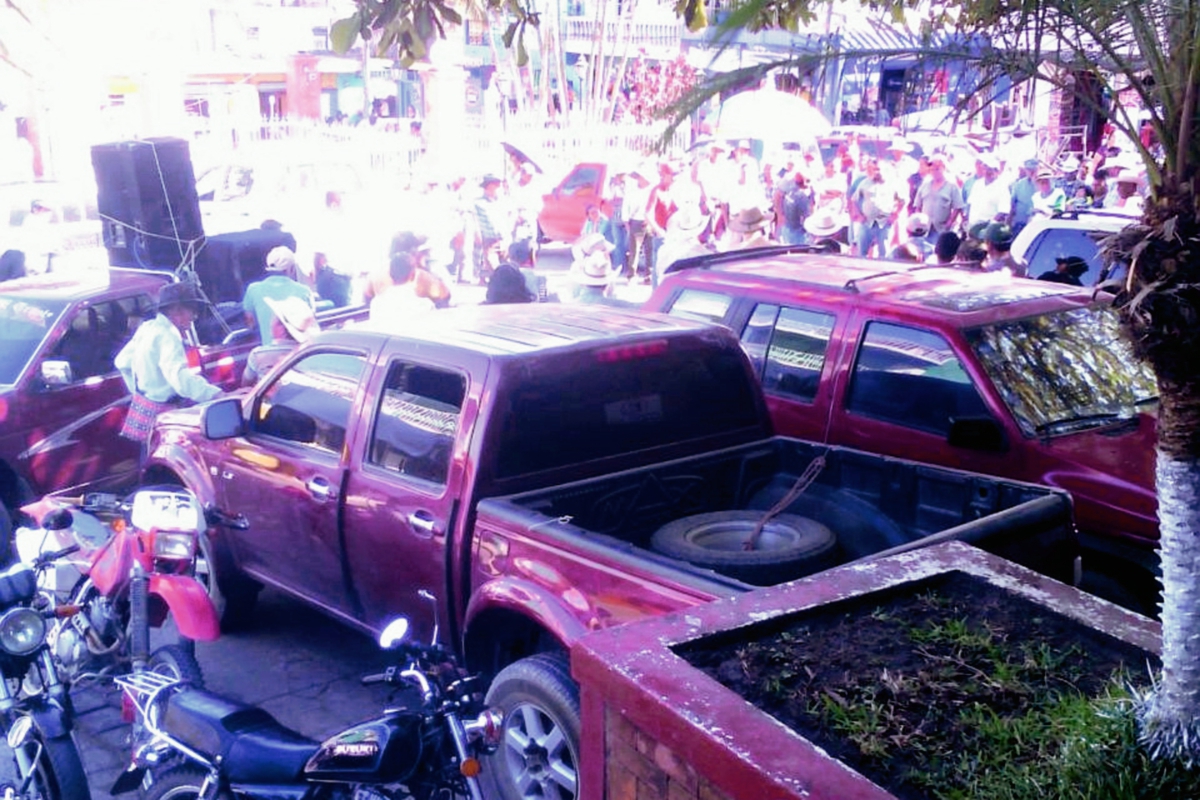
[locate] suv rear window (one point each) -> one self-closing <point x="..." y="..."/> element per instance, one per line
<point x="650" y="395"/>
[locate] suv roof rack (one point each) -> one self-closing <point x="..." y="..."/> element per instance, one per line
<point x="715" y="259"/>
<point x="852" y="284"/>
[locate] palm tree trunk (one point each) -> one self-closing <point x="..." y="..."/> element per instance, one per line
<point x="1171" y="717"/>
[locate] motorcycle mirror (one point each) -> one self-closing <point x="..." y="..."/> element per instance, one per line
<point x="58" y="520"/>
<point x="395" y="633"/>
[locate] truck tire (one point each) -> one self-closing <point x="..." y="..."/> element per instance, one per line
<point x="539" y="752"/>
<point x="860" y="528"/>
<point x="790" y="546"/>
<point x="233" y="596"/>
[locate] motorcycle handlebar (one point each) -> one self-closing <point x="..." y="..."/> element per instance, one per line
<point x="48" y="558"/>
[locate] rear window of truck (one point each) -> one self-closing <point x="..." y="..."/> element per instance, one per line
<point x="622" y="400"/>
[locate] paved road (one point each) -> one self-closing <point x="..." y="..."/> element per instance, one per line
<point x="299" y="665"/>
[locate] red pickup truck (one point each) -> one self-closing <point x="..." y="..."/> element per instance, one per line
<point x="1023" y="379"/>
<point x="62" y="402"/>
<point x="544" y="475"/>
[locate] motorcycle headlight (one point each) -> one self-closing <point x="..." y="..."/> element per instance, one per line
<point x="22" y="630"/>
<point x="175" y="545"/>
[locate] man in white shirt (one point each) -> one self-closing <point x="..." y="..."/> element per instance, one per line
<point x="990" y="199"/>
<point x="154" y="364"/>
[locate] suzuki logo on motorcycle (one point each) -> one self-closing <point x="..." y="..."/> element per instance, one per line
<point x="355" y="749"/>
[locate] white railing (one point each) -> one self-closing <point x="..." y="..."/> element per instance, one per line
<point x="639" y="33"/>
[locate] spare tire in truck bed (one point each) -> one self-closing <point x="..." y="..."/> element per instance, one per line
<point x="790" y="546"/>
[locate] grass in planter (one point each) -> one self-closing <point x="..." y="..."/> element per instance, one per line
<point x="958" y="691"/>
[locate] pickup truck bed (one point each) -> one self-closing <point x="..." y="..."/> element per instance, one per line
<point x="870" y="503"/>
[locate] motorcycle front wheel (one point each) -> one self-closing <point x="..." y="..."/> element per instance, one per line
<point x="57" y="769"/>
<point x="178" y="782"/>
<point x="176" y="662"/>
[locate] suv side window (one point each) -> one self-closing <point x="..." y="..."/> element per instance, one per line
<point x="1054" y="243"/>
<point x="97" y="333"/>
<point x="416" y="422"/>
<point x="310" y="402"/>
<point x="913" y="378"/>
<point x="700" y="305"/>
<point x="787" y="347"/>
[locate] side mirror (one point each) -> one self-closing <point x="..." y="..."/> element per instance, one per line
<point x="222" y="419"/>
<point x="977" y="433"/>
<point x="57" y="373"/>
<point x="395" y="633"/>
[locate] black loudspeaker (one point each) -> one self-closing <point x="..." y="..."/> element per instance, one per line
<point x="230" y="262"/>
<point x="147" y="202"/>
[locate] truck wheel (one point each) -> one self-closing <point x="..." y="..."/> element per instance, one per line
<point x="233" y="597"/>
<point x="860" y="528"/>
<point x="539" y="752"/>
<point x="790" y="546"/>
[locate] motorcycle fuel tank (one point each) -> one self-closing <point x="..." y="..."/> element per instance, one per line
<point x="381" y="751"/>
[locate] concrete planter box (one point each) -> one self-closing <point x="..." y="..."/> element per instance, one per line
<point x="656" y="727"/>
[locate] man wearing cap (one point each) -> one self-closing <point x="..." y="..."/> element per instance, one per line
<point x="1048" y="199"/>
<point x="1067" y="269"/>
<point x="279" y="284"/>
<point x="154" y="365"/>
<point x="939" y="199"/>
<point x="1023" y="190"/>
<point x="917" y="247"/>
<point x="998" y="239"/>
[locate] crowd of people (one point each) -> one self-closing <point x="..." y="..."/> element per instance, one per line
<point x="722" y="196"/>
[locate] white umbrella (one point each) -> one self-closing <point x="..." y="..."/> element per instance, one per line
<point x="772" y="116"/>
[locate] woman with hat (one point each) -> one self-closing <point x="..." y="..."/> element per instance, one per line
<point x="827" y="229"/>
<point x="295" y="323"/>
<point x="748" y="229"/>
<point x="682" y="239"/>
<point x="154" y="365"/>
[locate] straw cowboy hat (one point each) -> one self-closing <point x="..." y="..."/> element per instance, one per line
<point x="824" y="222"/>
<point x="749" y="220"/>
<point x="592" y="243"/>
<point x="686" y="221"/>
<point x="296" y="317"/>
<point x="593" y="270"/>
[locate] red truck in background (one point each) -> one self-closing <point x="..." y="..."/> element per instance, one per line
<point x="62" y="402"/>
<point x="1023" y="379"/>
<point x="545" y="475"/>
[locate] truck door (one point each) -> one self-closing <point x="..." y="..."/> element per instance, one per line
<point x="286" y="475"/>
<point x="401" y="501"/>
<point x="77" y="415"/>
<point x="905" y="386"/>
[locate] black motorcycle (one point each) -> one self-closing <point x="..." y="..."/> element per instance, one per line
<point x="189" y="744"/>
<point x="34" y="703"/>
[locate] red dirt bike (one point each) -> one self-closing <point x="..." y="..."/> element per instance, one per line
<point x="134" y="569"/>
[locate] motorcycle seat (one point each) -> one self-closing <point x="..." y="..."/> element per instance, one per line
<point x="254" y="747"/>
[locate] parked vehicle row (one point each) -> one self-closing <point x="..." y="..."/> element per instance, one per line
<point x="545" y="475"/>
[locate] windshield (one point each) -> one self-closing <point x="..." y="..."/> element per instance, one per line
<point x="1065" y="370"/>
<point x="24" y="323"/>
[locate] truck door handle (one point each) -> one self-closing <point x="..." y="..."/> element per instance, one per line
<point x="320" y="489"/>
<point x="424" y="522"/>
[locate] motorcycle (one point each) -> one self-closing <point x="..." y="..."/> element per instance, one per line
<point x="134" y="568"/>
<point x="190" y="744"/>
<point x="34" y="703"/>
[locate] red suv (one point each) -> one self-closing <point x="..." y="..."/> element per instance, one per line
<point x="1018" y="378"/>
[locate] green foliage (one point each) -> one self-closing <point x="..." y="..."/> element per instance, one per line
<point x="412" y="26"/>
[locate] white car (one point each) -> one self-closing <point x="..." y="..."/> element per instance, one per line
<point x="1070" y="233"/>
<point x="56" y="225"/>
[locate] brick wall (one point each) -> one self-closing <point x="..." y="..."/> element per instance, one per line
<point x="640" y="768"/>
